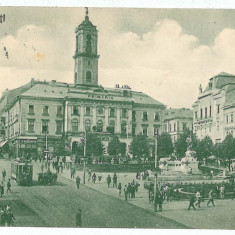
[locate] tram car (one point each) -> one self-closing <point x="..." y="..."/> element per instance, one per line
<point x="22" y="172"/>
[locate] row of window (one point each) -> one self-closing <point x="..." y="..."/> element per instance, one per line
<point x="145" y="116"/>
<point x="45" y="110"/>
<point x="229" y="119"/>
<point x="173" y="127"/>
<point x="75" y="111"/>
<point x="45" y="126"/>
<point x="99" y="127"/>
<point x="207" y="113"/>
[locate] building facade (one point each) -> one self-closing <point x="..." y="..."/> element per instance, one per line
<point x="176" y="121"/>
<point x="214" y="108"/>
<point x="37" y="115"/>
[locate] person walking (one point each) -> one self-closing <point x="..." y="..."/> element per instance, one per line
<point x="125" y="192"/>
<point x="78" y="181"/>
<point x="129" y="190"/>
<point x="4" y="173"/>
<point x="198" y="199"/>
<point x="115" y="180"/>
<point x="94" y="178"/>
<point x="2" y="188"/>
<point x="72" y="172"/>
<point x="156" y="200"/>
<point x="89" y="175"/>
<point x="222" y="192"/>
<point x="211" y="199"/>
<point x="9" y="185"/>
<point x="108" y="180"/>
<point x="191" y="202"/>
<point x="10" y="218"/>
<point x="119" y="189"/>
<point x="79" y="218"/>
<point x="161" y="199"/>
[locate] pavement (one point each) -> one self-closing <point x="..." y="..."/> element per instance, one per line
<point x="57" y="205"/>
<point x="221" y="216"/>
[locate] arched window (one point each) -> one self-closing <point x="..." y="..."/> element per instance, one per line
<point x="123" y="128"/>
<point x="100" y="126"/>
<point x="75" y="147"/>
<point x="74" y="125"/>
<point x="88" y="76"/>
<point x="87" y="125"/>
<point x="112" y="126"/>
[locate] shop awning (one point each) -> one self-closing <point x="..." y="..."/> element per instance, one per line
<point x="3" y="143"/>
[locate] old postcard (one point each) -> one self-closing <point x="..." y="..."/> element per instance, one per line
<point x="117" y="118"/>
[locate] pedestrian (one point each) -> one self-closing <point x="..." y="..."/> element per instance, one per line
<point x="222" y="192"/>
<point x="136" y="186"/>
<point x="198" y="199"/>
<point x="164" y="191"/>
<point x="119" y="189"/>
<point x="161" y="199"/>
<point x="10" y="218"/>
<point x="129" y="190"/>
<point x="211" y="199"/>
<point x="156" y="200"/>
<point x="115" y="180"/>
<point x="108" y="180"/>
<point x="61" y="167"/>
<point x="125" y="192"/>
<point x="89" y="175"/>
<point x="42" y="167"/>
<point x="4" y="173"/>
<point x="9" y="185"/>
<point x="94" y="178"/>
<point x="73" y="170"/>
<point x="99" y="178"/>
<point x="191" y="202"/>
<point x="2" y="188"/>
<point x="79" y="218"/>
<point x="3" y="216"/>
<point x="78" y="181"/>
<point x="132" y="190"/>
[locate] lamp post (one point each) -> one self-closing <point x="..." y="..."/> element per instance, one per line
<point x="84" y="162"/>
<point x="155" y="163"/>
<point x="46" y="151"/>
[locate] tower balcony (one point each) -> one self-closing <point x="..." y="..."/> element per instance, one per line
<point x="84" y="54"/>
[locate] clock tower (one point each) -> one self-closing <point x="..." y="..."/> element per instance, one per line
<point x="86" y="54"/>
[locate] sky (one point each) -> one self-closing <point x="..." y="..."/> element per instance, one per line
<point x="165" y="53"/>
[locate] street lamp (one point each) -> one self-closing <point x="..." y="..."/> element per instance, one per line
<point x="84" y="162"/>
<point x="155" y="163"/>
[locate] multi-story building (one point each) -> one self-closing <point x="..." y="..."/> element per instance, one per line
<point x="176" y="121"/>
<point x="41" y="112"/>
<point x="214" y="108"/>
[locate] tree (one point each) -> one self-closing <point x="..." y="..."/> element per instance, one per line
<point x="94" y="146"/>
<point x="181" y="144"/>
<point x="204" y="148"/>
<point x="228" y="148"/>
<point x="114" y="146"/>
<point x="218" y="150"/>
<point x="164" y="145"/>
<point x="140" y="147"/>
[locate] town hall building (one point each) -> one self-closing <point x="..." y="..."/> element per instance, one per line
<point x="38" y="114"/>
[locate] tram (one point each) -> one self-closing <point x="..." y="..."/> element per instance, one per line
<point x="22" y="172"/>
